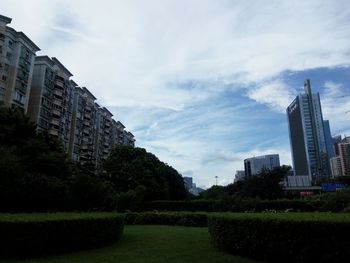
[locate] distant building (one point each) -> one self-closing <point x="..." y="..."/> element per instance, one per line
<point x="307" y="136"/>
<point x="329" y="139"/>
<point x="239" y="176"/>
<point x="336" y="139"/>
<point x="17" y="53"/>
<point x="344" y="154"/>
<point x="255" y="165"/>
<point x="188" y="182"/>
<point x="336" y="166"/>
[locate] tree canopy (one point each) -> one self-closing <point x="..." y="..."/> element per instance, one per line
<point x="130" y="169"/>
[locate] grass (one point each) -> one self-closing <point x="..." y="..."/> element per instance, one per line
<point x="151" y="244"/>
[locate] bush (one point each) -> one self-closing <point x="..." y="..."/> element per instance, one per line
<point x="156" y="218"/>
<point x="28" y="235"/>
<point x="287" y="237"/>
<point x="230" y="204"/>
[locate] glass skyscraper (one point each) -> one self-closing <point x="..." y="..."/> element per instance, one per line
<point x="307" y="135"/>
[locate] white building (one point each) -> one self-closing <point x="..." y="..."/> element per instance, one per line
<point x="254" y="165"/>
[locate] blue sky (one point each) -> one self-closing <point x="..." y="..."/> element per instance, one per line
<point x="203" y="84"/>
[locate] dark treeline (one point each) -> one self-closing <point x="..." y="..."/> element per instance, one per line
<point x="36" y="175"/>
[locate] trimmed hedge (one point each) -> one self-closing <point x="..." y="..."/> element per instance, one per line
<point x="163" y="218"/>
<point x="283" y="237"/>
<point x="28" y="235"/>
<point x="230" y="205"/>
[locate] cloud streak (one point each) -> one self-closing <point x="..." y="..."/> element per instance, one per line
<point x="197" y="80"/>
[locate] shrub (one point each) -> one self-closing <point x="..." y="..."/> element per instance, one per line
<point x="230" y="204"/>
<point x="287" y="237"/>
<point x="28" y="235"/>
<point x="163" y="218"/>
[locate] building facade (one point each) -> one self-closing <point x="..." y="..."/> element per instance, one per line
<point x="307" y="136"/>
<point x="17" y="53"/>
<point x="344" y="154"/>
<point x="255" y="165"/>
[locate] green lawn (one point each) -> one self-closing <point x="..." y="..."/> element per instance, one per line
<point x="151" y="244"/>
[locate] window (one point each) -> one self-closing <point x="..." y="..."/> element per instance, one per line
<point x="8" y="55"/>
<point x="7" y="67"/>
<point x="10" y="44"/>
<point x="19" y="97"/>
<point x="0" y="50"/>
<point x="4" y="78"/>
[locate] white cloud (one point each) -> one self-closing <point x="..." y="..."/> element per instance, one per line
<point x="127" y="52"/>
<point x="335" y="102"/>
<point x="276" y="94"/>
<point x="140" y="56"/>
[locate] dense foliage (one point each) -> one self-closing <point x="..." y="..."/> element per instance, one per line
<point x="135" y="172"/>
<point x="36" y="175"/>
<point x="284" y="237"/>
<point x="233" y="204"/>
<point x="167" y="218"/>
<point x="27" y="235"/>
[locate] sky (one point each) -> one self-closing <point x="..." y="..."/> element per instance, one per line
<point x="202" y="84"/>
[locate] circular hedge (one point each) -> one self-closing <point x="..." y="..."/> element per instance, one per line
<point x="28" y="235"/>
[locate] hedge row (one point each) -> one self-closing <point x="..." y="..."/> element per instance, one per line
<point x="287" y="237"/>
<point x="163" y="218"/>
<point x="28" y="235"/>
<point x="230" y="205"/>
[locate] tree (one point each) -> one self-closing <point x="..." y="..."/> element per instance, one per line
<point x="129" y="168"/>
<point x="33" y="167"/>
<point x="265" y="185"/>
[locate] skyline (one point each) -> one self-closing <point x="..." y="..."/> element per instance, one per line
<point x="202" y="85"/>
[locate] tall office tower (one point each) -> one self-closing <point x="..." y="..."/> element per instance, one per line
<point x="17" y="53"/>
<point x="307" y="135"/>
<point x="254" y="165"/>
<point x="329" y="139"/>
<point x="51" y="99"/>
<point x="344" y="154"/>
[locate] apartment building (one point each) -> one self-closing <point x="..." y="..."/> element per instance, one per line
<point x="51" y="98"/>
<point x="42" y="87"/>
<point x="344" y="154"/>
<point x="82" y="143"/>
<point x="17" y="53"/>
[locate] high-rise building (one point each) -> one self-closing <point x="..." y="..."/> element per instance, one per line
<point x="17" y="53"/>
<point x="344" y="154"/>
<point x="329" y="139"/>
<point x="42" y="87"/>
<point x="51" y="98"/>
<point x="307" y="135"/>
<point x="336" y="166"/>
<point x="255" y="165"/>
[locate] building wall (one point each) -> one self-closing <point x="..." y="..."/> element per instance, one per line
<point x="42" y="87"/>
<point x="17" y="53"/>
<point x="255" y="165"/>
<point x="336" y="167"/>
<point x="344" y="154"/>
<point x="307" y="136"/>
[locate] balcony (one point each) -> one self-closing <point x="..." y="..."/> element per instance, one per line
<point x="55" y="122"/>
<point x="56" y="112"/>
<point x="57" y="102"/>
<point x="53" y="132"/>
<point x="58" y="93"/>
